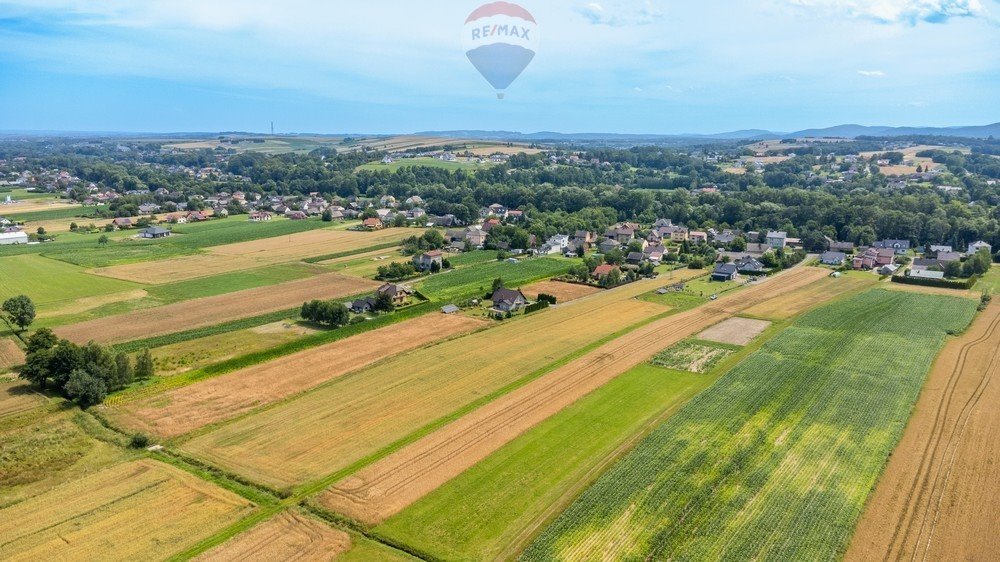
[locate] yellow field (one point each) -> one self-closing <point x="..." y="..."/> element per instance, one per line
<point x="355" y="415"/>
<point x="258" y="253"/>
<point x="798" y="301"/>
<point x="288" y="536"/>
<point x="32" y="205"/>
<point x="141" y="510"/>
<point x="16" y="397"/>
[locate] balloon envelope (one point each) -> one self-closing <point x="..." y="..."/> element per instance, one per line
<point x="500" y="40"/>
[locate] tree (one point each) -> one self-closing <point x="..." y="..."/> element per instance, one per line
<point x="497" y="284"/>
<point x="327" y="215"/>
<point x="36" y="368"/>
<point x="103" y="240"/>
<point x="739" y="244"/>
<point x="435" y="267"/>
<point x="20" y="311"/>
<point x="383" y="303"/>
<point x="41" y="340"/>
<point x="953" y="269"/>
<point x="41" y="231"/>
<point x="85" y="389"/>
<point x="123" y="370"/>
<point x="144" y="368"/>
<point x="580" y="251"/>
<point x="73" y="227"/>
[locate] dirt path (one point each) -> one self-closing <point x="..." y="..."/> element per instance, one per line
<point x="938" y="497"/>
<point x="185" y="409"/>
<point x="388" y="486"/>
<point x="210" y="311"/>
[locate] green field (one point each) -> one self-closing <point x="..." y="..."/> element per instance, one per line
<point x="52" y="283"/>
<point x="516" y="486"/>
<point x="66" y="212"/>
<point x="428" y="162"/>
<point x="776" y="460"/>
<point x="990" y="282"/>
<point x="476" y="280"/>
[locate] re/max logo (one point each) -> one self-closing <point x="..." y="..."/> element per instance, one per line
<point x="501" y="31"/>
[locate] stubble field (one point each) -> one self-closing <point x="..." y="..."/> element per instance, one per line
<point x="288" y="536"/>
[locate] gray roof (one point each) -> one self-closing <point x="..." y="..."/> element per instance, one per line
<point x="449" y="309"/>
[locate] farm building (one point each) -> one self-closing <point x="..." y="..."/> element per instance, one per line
<point x="725" y="272"/>
<point x="8" y="238"/>
<point x="154" y="232"/>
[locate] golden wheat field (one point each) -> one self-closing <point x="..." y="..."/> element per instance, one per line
<point x="140" y="510"/>
<point x="356" y="415"/>
<point x="287" y="536"/>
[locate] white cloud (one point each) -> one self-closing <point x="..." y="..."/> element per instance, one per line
<point x="908" y="12"/>
<point x="620" y="14"/>
<point x="872" y="73"/>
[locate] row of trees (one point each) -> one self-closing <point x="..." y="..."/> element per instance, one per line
<point x="84" y="374"/>
<point x="327" y="313"/>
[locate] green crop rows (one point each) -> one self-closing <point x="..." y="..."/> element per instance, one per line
<point x="776" y="460"/>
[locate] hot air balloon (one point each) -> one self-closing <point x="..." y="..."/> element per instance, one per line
<point x="500" y="40"/>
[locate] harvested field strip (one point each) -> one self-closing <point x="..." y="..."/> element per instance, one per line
<point x="162" y="384"/>
<point x="940" y="489"/>
<point x="11" y="354"/>
<point x="795" y="302"/>
<point x="258" y="253"/>
<point x="17" y="397"/>
<point x="735" y="331"/>
<point x="213" y="310"/>
<point x="288" y="536"/>
<point x="774" y="461"/>
<point x="358" y="415"/>
<point x="340" y="257"/>
<point x="386" y="487"/>
<point x="188" y="408"/>
<point x="136" y="510"/>
<point x="133" y="346"/>
<point x="522" y="481"/>
<point x="564" y="292"/>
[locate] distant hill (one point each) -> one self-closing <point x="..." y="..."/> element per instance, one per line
<point x="839" y="131"/>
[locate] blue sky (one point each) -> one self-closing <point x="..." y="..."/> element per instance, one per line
<point x="655" y="66"/>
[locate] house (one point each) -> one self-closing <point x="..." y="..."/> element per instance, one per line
<point x="676" y="233"/>
<point x="888" y="269"/>
<point x="8" y="238"/>
<point x="444" y="220"/>
<point x="777" y="239"/>
<point x="415" y="213"/>
<point x="602" y="271"/>
<point x="622" y="234"/>
<point x="508" y="300"/>
<point x="945" y="257"/>
<point x="833" y="258"/>
<point x="865" y="260"/>
<point x="898" y="246"/>
<point x="980" y="245"/>
<point x="608" y="245"/>
<point x="363" y="305"/>
<point x="750" y="266"/>
<point x="488" y="224"/>
<point x="372" y="224"/>
<point x="727" y="236"/>
<point x="400" y="294"/>
<point x="725" y="272"/>
<point x="122" y="223"/>
<point x="414" y="201"/>
<point x="475" y="236"/>
<point x="698" y="237"/>
<point x="938" y="249"/>
<point x="196" y="216"/>
<point x="154" y="232"/>
<point x="583" y="238"/>
<point x="635" y="258"/>
<point x="425" y="261"/>
<point x="149" y="208"/>
<point x="924" y="264"/>
<point x="497" y="210"/>
<point x="259" y="216"/>
<point x="297" y="216"/>
<point x="845" y="247"/>
<point x="660" y="223"/>
<point x="925" y="274"/>
<point x="515" y="216"/>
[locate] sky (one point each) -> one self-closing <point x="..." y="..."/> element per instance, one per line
<point x="399" y="66"/>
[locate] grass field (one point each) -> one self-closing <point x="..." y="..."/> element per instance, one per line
<point x="460" y="164"/>
<point x="776" y="460"/>
<point x="476" y="280"/>
<point x="356" y="415"/>
<point x="16" y="397"/>
<point x="693" y="356"/>
<point x="518" y="484"/>
<point x="135" y="510"/>
<point x="52" y="284"/>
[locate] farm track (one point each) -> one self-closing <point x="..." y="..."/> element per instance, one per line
<point x="953" y="431"/>
<point x="388" y="486"/>
<point x="209" y="311"/>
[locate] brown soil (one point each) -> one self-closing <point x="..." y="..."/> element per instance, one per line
<point x="10" y="354"/>
<point x="184" y="409"/>
<point x="257" y="253"/>
<point x="735" y="331"/>
<point x="288" y="536"/>
<point x="210" y="311"/>
<point x="939" y="495"/>
<point x="563" y="292"/>
<point x="386" y="487"/>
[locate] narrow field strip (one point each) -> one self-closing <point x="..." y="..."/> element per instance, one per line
<point x="191" y="407"/>
<point x="11" y="354"/>
<point x="357" y="415"/>
<point x="288" y="536"/>
<point x="941" y="485"/>
<point x="209" y="311"/>
<point x="17" y="397"/>
<point x="386" y="487"/>
<point x="776" y="460"/>
<point x="136" y="510"/>
<point x="254" y="254"/>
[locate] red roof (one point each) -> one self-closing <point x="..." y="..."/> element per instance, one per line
<point x="372" y="222"/>
<point x="603" y="270"/>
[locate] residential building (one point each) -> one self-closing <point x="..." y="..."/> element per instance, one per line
<point x="898" y="246"/>
<point x="154" y="232"/>
<point x="508" y="300"/>
<point x="373" y="224"/>
<point x="980" y="245"/>
<point x="259" y="216"/>
<point x="400" y="294"/>
<point x="748" y="265"/>
<point x="833" y="258"/>
<point x="725" y="272"/>
<point x="425" y="261"/>
<point x="777" y="239"/>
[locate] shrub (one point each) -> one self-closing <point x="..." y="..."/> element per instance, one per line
<point x="139" y="441"/>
